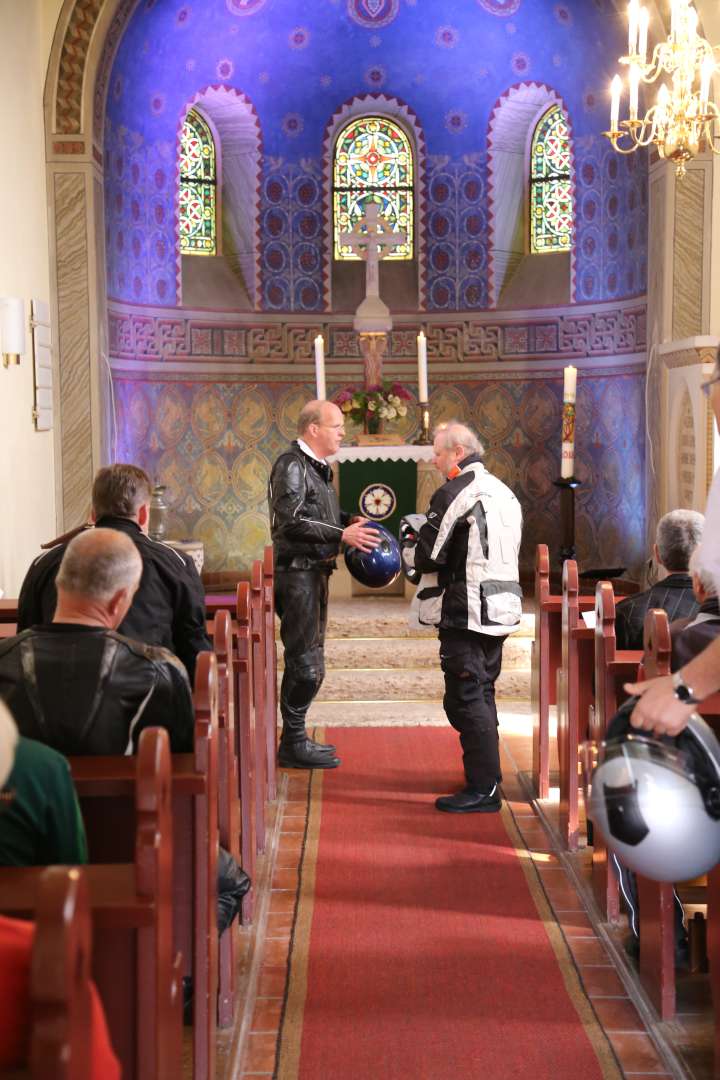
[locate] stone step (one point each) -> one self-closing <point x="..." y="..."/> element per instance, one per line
<point x="369" y="618"/>
<point x="403" y="652"/>
<point x="403" y="714"/>
<point x="407" y="684"/>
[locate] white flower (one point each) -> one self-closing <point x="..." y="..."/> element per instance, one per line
<point x="402" y="410"/>
<point x="392" y="412"/>
<point x="394" y="399"/>
<point x="372" y="406"/>
<point x="384" y="412"/>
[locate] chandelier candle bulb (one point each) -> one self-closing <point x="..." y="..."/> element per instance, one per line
<point x="643" y="34"/>
<point x="320" y="368"/>
<point x="708" y="66"/>
<point x="633" y="16"/>
<point x="615" y="90"/>
<point x="634" y="87"/>
<point x="422" y="367"/>
<point x="567" y="460"/>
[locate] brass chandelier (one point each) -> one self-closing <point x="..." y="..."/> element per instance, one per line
<point x="682" y="121"/>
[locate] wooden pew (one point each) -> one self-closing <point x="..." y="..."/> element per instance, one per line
<point x="657" y="914"/>
<point x="194" y="854"/>
<point x="228" y="804"/>
<point x="613" y="667"/>
<point x="270" y="670"/>
<point x="657" y="935"/>
<point x="545" y="660"/>
<point x="257" y="630"/>
<point x="574" y="697"/>
<point x="59" y="992"/>
<point x="8" y="611"/>
<point x="134" y="964"/>
<point x="246" y="735"/>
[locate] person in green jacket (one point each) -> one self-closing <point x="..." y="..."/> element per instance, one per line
<point x="40" y="821"/>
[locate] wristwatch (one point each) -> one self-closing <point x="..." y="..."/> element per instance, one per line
<point x="682" y="691"/>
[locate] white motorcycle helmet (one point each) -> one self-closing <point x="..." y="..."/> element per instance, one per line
<point x="657" y="801"/>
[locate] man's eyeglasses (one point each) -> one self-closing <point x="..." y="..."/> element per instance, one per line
<point x="706" y="386"/>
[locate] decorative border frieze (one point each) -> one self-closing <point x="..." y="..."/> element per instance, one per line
<point x="576" y="333"/>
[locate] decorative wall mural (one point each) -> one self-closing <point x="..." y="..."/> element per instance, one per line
<point x="218" y="494"/>
<point x="373" y="13"/>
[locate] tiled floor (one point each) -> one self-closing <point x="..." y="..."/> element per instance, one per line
<point x="613" y="1006"/>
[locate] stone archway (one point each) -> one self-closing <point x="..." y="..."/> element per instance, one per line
<point x="86" y="36"/>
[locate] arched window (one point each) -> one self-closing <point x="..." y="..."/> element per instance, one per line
<point x="198" y="188"/>
<point x="373" y="163"/>
<point x="551" y="209"/>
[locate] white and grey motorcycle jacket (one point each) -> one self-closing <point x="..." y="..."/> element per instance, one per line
<point x="471" y="541"/>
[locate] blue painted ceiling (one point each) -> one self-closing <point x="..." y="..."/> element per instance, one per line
<point x="298" y="62"/>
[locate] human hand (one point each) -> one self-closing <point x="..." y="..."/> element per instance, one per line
<point x="658" y="709"/>
<point x="358" y="535"/>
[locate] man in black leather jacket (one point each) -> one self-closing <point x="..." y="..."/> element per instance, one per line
<point x="78" y="685"/>
<point x="169" y="605"/>
<point x="307" y="528"/>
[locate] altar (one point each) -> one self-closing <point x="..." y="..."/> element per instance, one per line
<point x="384" y="483"/>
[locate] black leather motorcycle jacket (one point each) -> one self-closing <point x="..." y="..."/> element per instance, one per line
<point x="168" y="608"/>
<point x="86" y="690"/>
<point x="306" y="522"/>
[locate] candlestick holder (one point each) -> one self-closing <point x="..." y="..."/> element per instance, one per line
<point x="567" y="486"/>
<point x="423" y="438"/>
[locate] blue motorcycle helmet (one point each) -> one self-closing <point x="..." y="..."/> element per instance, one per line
<point x="379" y="567"/>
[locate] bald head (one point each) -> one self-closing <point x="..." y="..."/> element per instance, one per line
<point x="98" y="576"/>
<point x="322" y="427"/>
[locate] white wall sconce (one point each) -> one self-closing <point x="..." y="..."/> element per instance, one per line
<point x="12" y="329"/>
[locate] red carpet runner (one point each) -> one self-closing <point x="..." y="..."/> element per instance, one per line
<point x="423" y="947"/>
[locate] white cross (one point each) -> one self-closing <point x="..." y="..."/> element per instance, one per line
<point x="384" y="240"/>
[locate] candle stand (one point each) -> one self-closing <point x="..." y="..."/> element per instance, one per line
<point x="424" y="438"/>
<point x="567" y="486"/>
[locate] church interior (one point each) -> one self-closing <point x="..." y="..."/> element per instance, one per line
<point x="185" y="183"/>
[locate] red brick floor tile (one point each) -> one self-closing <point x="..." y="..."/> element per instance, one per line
<point x="276" y="952"/>
<point x="279" y="923"/>
<point x="282" y="901"/>
<point x="285" y="878"/>
<point x="260" y="1056"/>
<point x="636" y="1052"/>
<point x="618" y="1014"/>
<point x="601" y="982"/>
<point x="574" y="923"/>
<point x="271" y="982"/>
<point x="589" y="951"/>
<point x="267" y="1014"/>
<point x="289" y="845"/>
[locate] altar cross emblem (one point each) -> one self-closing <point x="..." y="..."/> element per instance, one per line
<point x="372" y="238"/>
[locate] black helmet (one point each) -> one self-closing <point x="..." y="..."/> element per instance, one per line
<point x="378" y="567"/>
<point x="657" y="801"/>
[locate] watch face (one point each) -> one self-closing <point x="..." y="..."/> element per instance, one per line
<point x="377" y="502"/>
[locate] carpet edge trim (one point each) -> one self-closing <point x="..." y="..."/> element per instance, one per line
<point x="599" y="1041"/>
<point x="291" y="1027"/>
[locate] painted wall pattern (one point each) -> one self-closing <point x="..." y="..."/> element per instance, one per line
<point x="213" y="444"/>
<point x="298" y="65"/>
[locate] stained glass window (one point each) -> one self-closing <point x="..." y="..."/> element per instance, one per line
<point x="373" y="163"/>
<point x="198" y="188"/>
<point x="551" y="208"/>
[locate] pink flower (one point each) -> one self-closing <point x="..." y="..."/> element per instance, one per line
<point x="343" y="396"/>
<point x="400" y="391"/>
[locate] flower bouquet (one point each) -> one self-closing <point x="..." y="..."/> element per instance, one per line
<point x="370" y="407"/>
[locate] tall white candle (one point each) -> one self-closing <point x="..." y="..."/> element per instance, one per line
<point x="567" y="460"/>
<point x="633" y="15"/>
<point x="319" y="368"/>
<point x="615" y="90"/>
<point x="634" y="86"/>
<point x="422" y="367"/>
<point x="643" y="34"/>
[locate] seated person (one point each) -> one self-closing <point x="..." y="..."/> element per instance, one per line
<point x="78" y="685"/>
<point x="168" y="608"/>
<point x="690" y="636"/>
<point x="16" y="942"/>
<point x="82" y="688"/>
<point x="677" y="535"/>
<point x="40" y="820"/>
